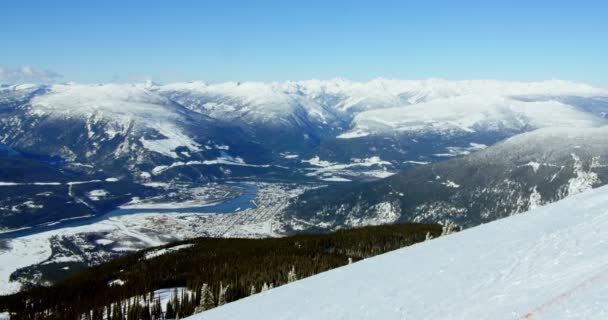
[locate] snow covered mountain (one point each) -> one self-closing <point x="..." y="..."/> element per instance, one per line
<point x="369" y="113"/>
<point x="141" y="126"/>
<point x="276" y="113"/>
<point x="469" y="113"/>
<point x="549" y="263"/>
<point x="396" y="120"/>
<point x="127" y="130"/>
<point x="330" y="131"/>
<point x="521" y="173"/>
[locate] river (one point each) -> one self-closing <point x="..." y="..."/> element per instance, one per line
<point x="241" y="202"/>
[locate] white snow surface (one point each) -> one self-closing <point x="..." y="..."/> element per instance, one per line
<point x="383" y="105"/>
<point x="160" y="252"/>
<point x="471" y="113"/>
<point x="372" y="107"/>
<point x="120" y="106"/>
<point x="549" y="263"/>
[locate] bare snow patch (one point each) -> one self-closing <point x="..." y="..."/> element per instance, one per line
<point x="159" y="252"/>
<point x="450" y="184"/>
<point x="97" y="194"/>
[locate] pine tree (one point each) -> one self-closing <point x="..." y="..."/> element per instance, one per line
<point x="170" y="312"/>
<point x="291" y="275"/>
<point x="264" y="287"/>
<point x="206" y="302"/>
<point x="97" y="314"/>
<point x="252" y="290"/>
<point x="448" y="228"/>
<point x="221" y="298"/>
<point x="156" y="309"/>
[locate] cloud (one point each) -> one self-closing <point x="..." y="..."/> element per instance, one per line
<point x="28" y="74"/>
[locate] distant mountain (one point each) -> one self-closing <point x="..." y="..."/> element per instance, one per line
<point x="139" y="130"/>
<point x="124" y="130"/>
<point x="524" y="172"/>
<point x="339" y="119"/>
<point x="328" y="131"/>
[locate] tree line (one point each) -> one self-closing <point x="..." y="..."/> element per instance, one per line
<point x="212" y="271"/>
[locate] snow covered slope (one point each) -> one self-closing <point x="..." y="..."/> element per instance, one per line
<point x="516" y="175"/>
<point x="375" y="118"/>
<point x="387" y="118"/>
<point x="549" y="263"/>
<point x="324" y="102"/>
<point x="469" y="113"/>
<point x="124" y="129"/>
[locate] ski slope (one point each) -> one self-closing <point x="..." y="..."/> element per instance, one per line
<point x="549" y="263"/>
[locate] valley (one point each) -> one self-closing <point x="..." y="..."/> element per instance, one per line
<point x="133" y="166"/>
<point x="306" y="160"/>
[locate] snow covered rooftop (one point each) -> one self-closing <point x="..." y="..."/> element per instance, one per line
<point x="550" y="263"/>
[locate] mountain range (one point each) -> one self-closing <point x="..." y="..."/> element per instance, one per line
<point x="316" y="131"/>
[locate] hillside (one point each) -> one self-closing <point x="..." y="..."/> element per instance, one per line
<point x="549" y="263"/>
<point x="513" y="176"/>
<point x="242" y="265"/>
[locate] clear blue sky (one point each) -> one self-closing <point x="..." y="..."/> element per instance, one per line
<point x="100" y="41"/>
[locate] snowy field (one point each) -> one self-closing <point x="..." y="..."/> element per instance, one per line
<point x="549" y="263"/>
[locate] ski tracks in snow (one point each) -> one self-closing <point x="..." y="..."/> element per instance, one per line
<point x="595" y="280"/>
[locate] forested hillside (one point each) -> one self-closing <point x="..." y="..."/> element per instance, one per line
<point x="213" y="272"/>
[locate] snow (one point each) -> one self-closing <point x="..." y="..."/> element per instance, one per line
<point x="160" y="252"/>
<point x="549" y="263"/>
<point x="224" y="160"/>
<point x="534" y="165"/>
<point x="173" y="139"/>
<point x="138" y="231"/>
<point x="11" y="184"/>
<point x="252" y="101"/>
<point x="584" y="180"/>
<point x="384" y="104"/>
<point x="353" y="134"/>
<point x="97" y="194"/>
<point x="385" y="213"/>
<point x="471" y="113"/>
<point x="417" y="162"/>
<point x="22" y="252"/>
<point x="450" y="184"/>
<point x="288" y="155"/>
<point x="117" y="282"/>
<point x="104" y="242"/>
<point x="535" y="200"/>
<point x="336" y="179"/>
<point x="358" y="167"/>
<point x="366" y="108"/>
<point x="118" y="107"/>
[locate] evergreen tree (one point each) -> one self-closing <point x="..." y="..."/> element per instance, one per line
<point x="291" y="275"/>
<point x="448" y="228"/>
<point x="221" y="298"/>
<point x="170" y="312"/>
<point x="206" y="301"/>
